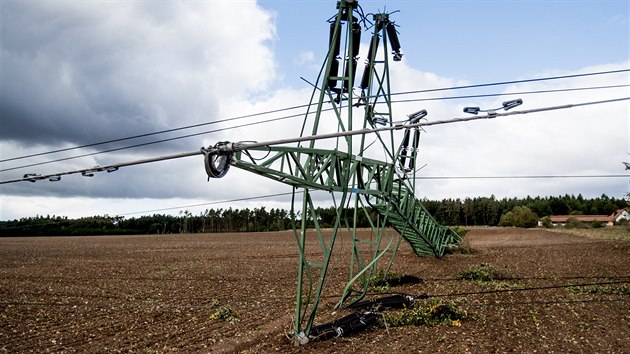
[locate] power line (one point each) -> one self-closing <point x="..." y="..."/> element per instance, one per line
<point x="306" y="105"/>
<point x="151" y="143"/>
<point x="514" y="82"/>
<point x="451" y="279"/>
<point x="524" y="177"/>
<point x="244" y="146"/>
<point x="246" y="298"/>
<point x="153" y="133"/>
<point x="164" y="209"/>
<point x="543" y="303"/>
<point x="242" y="298"/>
<point x="519" y="93"/>
<point x="549" y="287"/>
<point x="211" y="203"/>
<point x="210" y="278"/>
<point x="268" y="121"/>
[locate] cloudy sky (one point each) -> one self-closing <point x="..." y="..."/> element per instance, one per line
<point x="76" y="73"/>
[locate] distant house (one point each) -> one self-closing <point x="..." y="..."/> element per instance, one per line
<point x="609" y="220"/>
<point x="621" y="214"/>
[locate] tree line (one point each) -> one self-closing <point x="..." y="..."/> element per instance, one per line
<point x="210" y="220"/>
<point x="467" y="212"/>
<point x="489" y="210"/>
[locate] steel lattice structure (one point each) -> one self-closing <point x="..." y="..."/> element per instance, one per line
<point x="371" y="180"/>
<point x="380" y="190"/>
<point x="363" y="158"/>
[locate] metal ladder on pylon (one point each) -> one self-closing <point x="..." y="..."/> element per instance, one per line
<point x="406" y="214"/>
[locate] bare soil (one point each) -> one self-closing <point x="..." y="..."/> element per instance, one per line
<point x="159" y="294"/>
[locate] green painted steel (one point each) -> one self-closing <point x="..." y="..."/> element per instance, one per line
<point x="413" y="222"/>
<point x="369" y="178"/>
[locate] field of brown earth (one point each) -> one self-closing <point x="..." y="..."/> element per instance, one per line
<point x="162" y="294"/>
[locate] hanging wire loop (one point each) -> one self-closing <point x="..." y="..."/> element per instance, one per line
<point x="217" y="159"/>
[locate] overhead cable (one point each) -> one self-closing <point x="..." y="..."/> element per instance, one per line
<point x="155" y="133"/>
<point x="164" y="209"/>
<point x="268" y="121"/>
<point x="515" y="93"/>
<point x="235" y="147"/>
<point x="150" y="143"/>
<point x="513" y="82"/>
<point x="211" y="203"/>
<point x="525" y="177"/>
<point x="306" y="105"/>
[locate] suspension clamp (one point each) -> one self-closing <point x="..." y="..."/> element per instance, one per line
<point x="217" y="159"/>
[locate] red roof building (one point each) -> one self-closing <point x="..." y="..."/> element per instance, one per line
<point x="609" y="220"/>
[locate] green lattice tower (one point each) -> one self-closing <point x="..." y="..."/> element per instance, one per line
<point x="379" y="189"/>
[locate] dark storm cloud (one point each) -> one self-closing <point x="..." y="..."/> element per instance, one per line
<point x="86" y="72"/>
<point x="77" y="73"/>
<point x="65" y="82"/>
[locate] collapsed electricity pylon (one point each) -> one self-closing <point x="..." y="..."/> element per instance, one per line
<point x="380" y="190"/>
<point x="374" y="181"/>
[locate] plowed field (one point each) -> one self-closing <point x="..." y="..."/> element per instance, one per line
<point x="162" y="293"/>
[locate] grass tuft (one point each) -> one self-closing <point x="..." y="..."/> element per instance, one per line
<point x="223" y="313"/>
<point x="381" y="282"/>
<point x="430" y="313"/>
<point x="481" y="273"/>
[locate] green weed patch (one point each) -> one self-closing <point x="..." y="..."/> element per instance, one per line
<point x="430" y="313"/>
<point x="223" y="313"/>
<point x="381" y="282"/>
<point x="479" y="273"/>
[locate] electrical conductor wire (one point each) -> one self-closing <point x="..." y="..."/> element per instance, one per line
<point x="241" y="147"/>
<point x="306" y="105"/>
